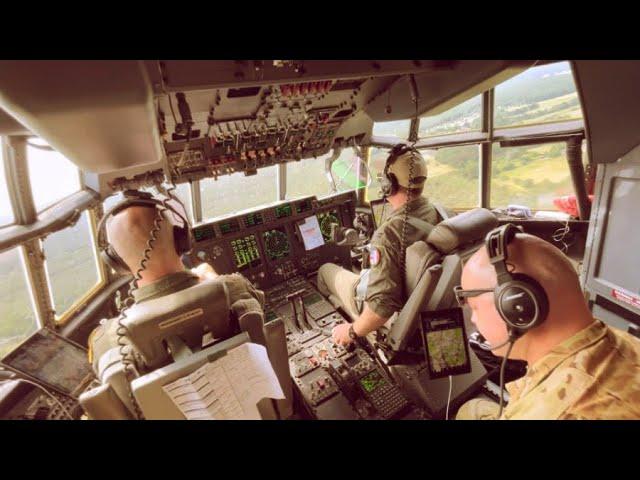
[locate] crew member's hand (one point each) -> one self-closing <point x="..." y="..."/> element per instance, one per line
<point x="205" y="272"/>
<point x="340" y="334"/>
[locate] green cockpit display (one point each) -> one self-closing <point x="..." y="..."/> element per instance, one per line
<point x="326" y="219"/>
<point x="371" y="381"/>
<point x="283" y="210"/>
<point x="245" y="252"/>
<point x="276" y="243"/>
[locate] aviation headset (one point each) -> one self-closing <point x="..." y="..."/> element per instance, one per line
<point x="389" y="182"/>
<point x="135" y="198"/>
<point x="520" y="299"/>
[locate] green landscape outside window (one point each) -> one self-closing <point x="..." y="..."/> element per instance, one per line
<point x="17" y="320"/>
<point x="71" y="264"/>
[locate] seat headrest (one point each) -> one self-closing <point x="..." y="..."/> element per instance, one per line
<point x="468" y="227"/>
<point x="187" y="314"/>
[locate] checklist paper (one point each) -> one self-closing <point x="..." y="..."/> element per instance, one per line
<point x="229" y="387"/>
<point x="311" y="233"/>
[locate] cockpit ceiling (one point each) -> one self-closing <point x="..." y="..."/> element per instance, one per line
<point x="103" y="115"/>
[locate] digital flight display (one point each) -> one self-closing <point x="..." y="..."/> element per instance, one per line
<point x="276" y="243"/>
<point x="372" y="381"/>
<point x="304" y="206"/>
<point x="245" y="252"/>
<point x="326" y="219"/>
<point x="283" y="210"/>
<point x="230" y="226"/>
<point x="253" y="219"/>
<point x="445" y="342"/>
<point x="205" y="232"/>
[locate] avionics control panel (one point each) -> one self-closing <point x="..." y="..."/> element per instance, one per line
<point x="333" y="382"/>
<point x="268" y="244"/>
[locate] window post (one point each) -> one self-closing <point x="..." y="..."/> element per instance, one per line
<point x="282" y="181"/>
<point x="19" y="186"/>
<point x="486" y="149"/>
<point x="196" y="201"/>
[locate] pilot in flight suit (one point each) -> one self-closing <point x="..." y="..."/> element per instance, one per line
<point x="384" y="282"/>
<point x="165" y="274"/>
<point x="578" y="367"/>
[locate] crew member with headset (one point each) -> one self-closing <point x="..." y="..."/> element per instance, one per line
<point x="526" y="301"/>
<point x="128" y="226"/>
<point x="372" y="297"/>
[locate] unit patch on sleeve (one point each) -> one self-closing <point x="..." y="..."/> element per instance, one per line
<point x="374" y="256"/>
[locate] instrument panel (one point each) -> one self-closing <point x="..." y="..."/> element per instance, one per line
<point x="265" y="244"/>
<point x="333" y="382"/>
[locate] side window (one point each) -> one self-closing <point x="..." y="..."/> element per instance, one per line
<point x="17" y="318"/>
<point x="47" y="165"/>
<point x="539" y="95"/>
<point x="465" y="117"/>
<point x="235" y="192"/>
<point x="532" y="176"/>
<point x="452" y="176"/>
<point x="71" y="263"/>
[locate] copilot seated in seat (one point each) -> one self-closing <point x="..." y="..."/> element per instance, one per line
<point x="174" y="307"/>
<point x="403" y="181"/>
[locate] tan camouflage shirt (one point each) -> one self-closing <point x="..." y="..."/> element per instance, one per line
<point x="385" y="288"/>
<point x="595" y="374"/>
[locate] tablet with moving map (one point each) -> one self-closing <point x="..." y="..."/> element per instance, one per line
<point x="445" y="342"/>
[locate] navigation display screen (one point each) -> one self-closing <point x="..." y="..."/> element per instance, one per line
<point x="276" y="243"/>
<point x="445" y="342"/>
<point x="205" y="232"/>
<point x="371" y="381"/>
<point x="310" y="232"/>
<point x="326" y="219"/>
<point x="230" y="226"/>
<point x="52" y="360"/>
<point x="283" y="210"/>
<point x="253" y="219"/>
<point x="245" y="252"/>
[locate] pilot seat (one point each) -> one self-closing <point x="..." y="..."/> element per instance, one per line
<point x="433" y="268"/>
<point x="174" y="335"/>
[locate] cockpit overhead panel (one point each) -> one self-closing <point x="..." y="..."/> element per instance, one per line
<point x="227" y="130"/>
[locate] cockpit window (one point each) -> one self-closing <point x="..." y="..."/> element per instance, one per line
<point x="377" y="159"/>
<point x="532" y="176"/>
<point x="539" y="95"/>
<point x="465" y="117"/>
<point x="453" y="176"/>
<point x="6" y="212"/>
<point x="397" y="128"/>
<point x="235" y="192"/>
<point x="52" y="176"/>
<point x="17" y="320"/>
<point x="71" y="263"/>
<point x="307" y="177"/>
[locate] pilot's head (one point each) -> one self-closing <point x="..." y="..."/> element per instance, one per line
<point x="405" y="173"/>
<point x="568" y="312"/>
<point x="129" y="231"/>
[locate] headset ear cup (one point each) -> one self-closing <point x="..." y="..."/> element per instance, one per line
<point x="393" y="182"/>
<point x="522" y="302"/>
<point x="182" y="239"/>
<point x="113" y="260"/>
